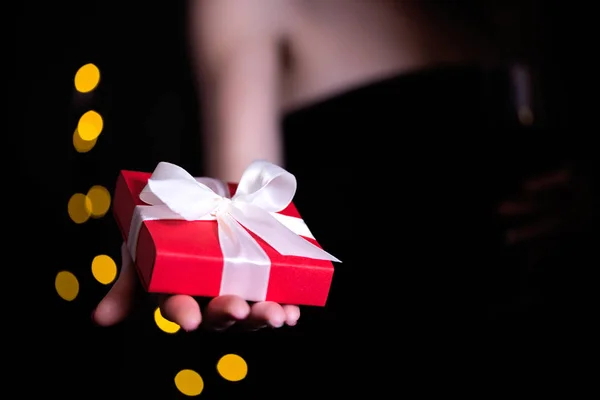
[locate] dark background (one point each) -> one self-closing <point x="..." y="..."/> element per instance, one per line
<point x="146" y="96"/>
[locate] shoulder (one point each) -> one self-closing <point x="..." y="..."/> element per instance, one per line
<point x="241" y="17"/>
<point x="222" y="29"/>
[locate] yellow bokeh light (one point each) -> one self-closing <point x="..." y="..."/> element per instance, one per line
<point x="80" y="208"/>
<point x="82" y="146"/>
<point x="67" y="285"/>
<point x="189" y="382"/>
<point x="232" y="367"/>
<point x="90" y="126"/>
<point x="100" y="198"/>
<point x="104" y="269"/>
<point x="87" y="78"/>
<point x="164" y="324"/>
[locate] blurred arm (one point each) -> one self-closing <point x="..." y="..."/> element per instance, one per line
<point x="235" y="52"/>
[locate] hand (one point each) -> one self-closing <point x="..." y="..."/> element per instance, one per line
<point x="547" y="206"/>
<point x="221" y="313"/>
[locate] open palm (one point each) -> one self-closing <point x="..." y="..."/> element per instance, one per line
<point x="220" y="313"/>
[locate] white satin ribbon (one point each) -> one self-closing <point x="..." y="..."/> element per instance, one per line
<point x="264" y="189"/>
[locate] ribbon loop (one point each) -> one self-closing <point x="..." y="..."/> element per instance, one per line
<point x="263" y="190"/>
<point x="267" y="186"/>
<point x="174" y="187"/>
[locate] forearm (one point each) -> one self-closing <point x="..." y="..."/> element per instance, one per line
<point x="233" y="137"/>
<point x="228" y="161"/>
<point x="235" y="46"/>
<point x="241" y="114"/>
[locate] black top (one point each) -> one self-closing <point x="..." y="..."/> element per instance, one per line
<point x="401" y="180"/>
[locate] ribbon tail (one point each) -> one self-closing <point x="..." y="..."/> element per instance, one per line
<point x="246" y="266"/>
<point x="277" y="235"/>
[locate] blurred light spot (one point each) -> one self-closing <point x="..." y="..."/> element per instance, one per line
<point x="104" y="269"/>
<point x="189" y="382"/>
<point x="87" y="78"/>
<point x="90" y="126"/>
<point x="67" y="285"/>
<point x="164" y="324"/>
<point x="525" y="115"/>
<point x="82" y="146"/>
<point x="100" y="198"/>
<point x="80" y="208"/>
<point x="232" y="367"/>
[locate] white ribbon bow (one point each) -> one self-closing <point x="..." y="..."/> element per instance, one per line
<point x="264" y="189"/>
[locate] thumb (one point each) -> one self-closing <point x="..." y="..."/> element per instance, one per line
<point x="117" y="303"/>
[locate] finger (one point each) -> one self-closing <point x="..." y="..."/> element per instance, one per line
<point x="266" y="314"/>
<point x="292" y="314"/>
<point x="549" y="181"/>
<point x="183" y="310"/>
<point x="224" y="311"/>
<point x="118" y="302"/>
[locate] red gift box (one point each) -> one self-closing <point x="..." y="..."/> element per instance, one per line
<point x="177" y="256"/>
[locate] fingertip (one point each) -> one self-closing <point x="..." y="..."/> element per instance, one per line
<point x="230" y="307"/>
<point x="278" y="319"/>
<point x="191" y="322"/>
<point x="182" y="310"/>
<point x="292" y="314"/>
<point x="275" y="315"/>
<point x="109" y="312"/>
<point x="239" y="309"/>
